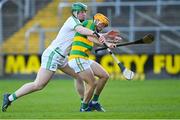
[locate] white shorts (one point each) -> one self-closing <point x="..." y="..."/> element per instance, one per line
<point x="80" y="64"/>
<point x="53" y="60"/>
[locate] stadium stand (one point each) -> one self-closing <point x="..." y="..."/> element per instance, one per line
<point x="42" y="18"/>
<point x="41" y="21"/>
<point x="145" y="18"/>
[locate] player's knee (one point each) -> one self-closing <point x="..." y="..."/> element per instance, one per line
<point x="106" y="76"/>
<point x="38" y="86"/>
<point x="92" y="84"/>
<point x="79" y="81"/>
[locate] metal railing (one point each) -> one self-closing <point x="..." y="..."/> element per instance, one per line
<point x="20" y="13"/>
<point x="132" y="28"/>
<point x="42" y="31"/>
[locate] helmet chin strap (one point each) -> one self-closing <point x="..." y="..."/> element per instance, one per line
<point x="81" y="20"/>
<point x="75" y="13"/>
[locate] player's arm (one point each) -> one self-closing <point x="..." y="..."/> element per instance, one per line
<point x="96" y="41"/>
<point x="84" y="31"/>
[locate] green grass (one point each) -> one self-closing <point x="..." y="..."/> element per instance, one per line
<point x="122" y="99"/>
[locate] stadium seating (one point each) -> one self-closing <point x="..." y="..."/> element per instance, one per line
<point x="169" y="17"/>
<point x="17" y="44"/>
<point x="46" y="18"/>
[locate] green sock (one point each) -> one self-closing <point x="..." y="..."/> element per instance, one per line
<point x="81" y="100"/>
<point x="14" y="96"/>
<point x="95" y="97"/>
<point x="84" y="105"/>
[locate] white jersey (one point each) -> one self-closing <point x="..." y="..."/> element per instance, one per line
<point x="62" y="43"/>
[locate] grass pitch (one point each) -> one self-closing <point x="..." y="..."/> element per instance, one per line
<point x="147" y="99"/>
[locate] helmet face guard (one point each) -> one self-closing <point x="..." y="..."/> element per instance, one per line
<point x="100" y="18"/>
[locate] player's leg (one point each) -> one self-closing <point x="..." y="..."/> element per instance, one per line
<point x="88" y="76"/>
<point x="79" y="84"/>
<point x="48" y="67"/>
<point x="103" y="76"/>
<point x="82" y="67"/>
<point x="40" y="82"/>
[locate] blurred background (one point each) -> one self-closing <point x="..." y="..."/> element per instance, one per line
<point x="27" y="27"/>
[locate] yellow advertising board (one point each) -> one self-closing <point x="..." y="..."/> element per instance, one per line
<point x="144" y="65"/>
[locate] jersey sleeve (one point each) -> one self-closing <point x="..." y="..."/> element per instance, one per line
<point x="89" y="24"/>
<point x="73" y="23"/>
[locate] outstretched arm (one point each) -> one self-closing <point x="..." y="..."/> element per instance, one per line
<point x="84" y="31"/>
<point x="95" y="40"/>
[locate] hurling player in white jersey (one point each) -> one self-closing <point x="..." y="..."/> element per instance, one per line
<point x="55" y="56"/>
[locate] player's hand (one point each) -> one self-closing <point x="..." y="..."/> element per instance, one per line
<point x="117" y="39"/>
<point x="110" y="45"/>
<point x="102" y="39"/>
